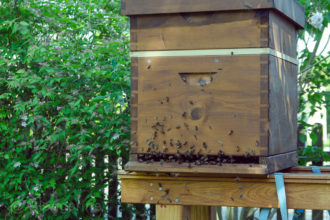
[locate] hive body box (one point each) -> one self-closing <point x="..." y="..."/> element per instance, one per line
<point x="214" y="85"/>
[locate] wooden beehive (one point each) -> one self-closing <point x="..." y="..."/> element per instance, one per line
<point x="214" y="85"/>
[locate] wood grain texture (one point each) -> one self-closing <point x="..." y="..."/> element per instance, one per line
<point x="200" y="213"/>
<point x="224" y="114"/>
<point x="290" y="8"/>
<point x="134" y="103"/>
<point x="180" y="212"/>
<point x="283" y="106"/>
<point x="280" y="161"/>
<point x="175" y="212"/>
<point x="254" y="169"/>
<point x="199" y="31"/>
<point x="293" y="10"/>
<point x="324" y="170"/>
<point x="264" y="103"/>
<point x="282" y="35"/>
<point x="304" y="191"/>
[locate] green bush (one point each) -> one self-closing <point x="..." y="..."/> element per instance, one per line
<point x="64" y="118"/>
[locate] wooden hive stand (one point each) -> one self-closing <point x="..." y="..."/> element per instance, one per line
<point x="181" y="196"/>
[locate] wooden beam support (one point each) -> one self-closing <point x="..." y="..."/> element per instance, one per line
<point x="179" y="212"/>
<point x="304" y="190"/>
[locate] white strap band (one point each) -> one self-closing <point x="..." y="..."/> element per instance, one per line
<point x="215" y="52"/>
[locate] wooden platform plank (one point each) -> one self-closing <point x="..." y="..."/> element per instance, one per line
<point x="304" y="190"/>
<point x="192" y="168"/>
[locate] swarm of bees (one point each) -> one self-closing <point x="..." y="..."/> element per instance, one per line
<point x="180" y="151"/>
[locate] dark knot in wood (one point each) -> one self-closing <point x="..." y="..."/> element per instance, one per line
<point x="196" y="113"/>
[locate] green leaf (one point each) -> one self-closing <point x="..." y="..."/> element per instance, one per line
<point x="314" y="138"/>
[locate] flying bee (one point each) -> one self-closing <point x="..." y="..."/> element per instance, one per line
<point x="191" y="151"/>
<point x="220" y="143"/>
<point x="221" y="153"/>
<point x="164" y="149"/>
<point x="242" y="187"/>
<point x="246" y="154"/>
<point x="186" y="125"/>
<point x="204" y="145"/>
<point x="202" y="82"/>
<point x="199" y="152"/>
<point x="166" y="193"/>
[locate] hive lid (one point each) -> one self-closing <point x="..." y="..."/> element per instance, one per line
<point x="290" y="8"/>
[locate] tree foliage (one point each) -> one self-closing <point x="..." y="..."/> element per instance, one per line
<point x="64" y="119"/>
<point x="313" y="76"/>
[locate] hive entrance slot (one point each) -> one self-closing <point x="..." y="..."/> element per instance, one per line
<point x="198" y="78"/>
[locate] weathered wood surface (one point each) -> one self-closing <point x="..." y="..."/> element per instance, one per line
<point x="178" y="212"/>
<point x="304" y="190"/>
<point x="293" y="10"/>
<point x="216" y="30"/>
<point x="283" y="104"/>
<point x="280" y="161"/>
<point x="290" y="8"/>
<point x="224" y="113"/>
<point x="174" y="212"/>
<point x="282" y="35"/>
<point x="260" y="169"/>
